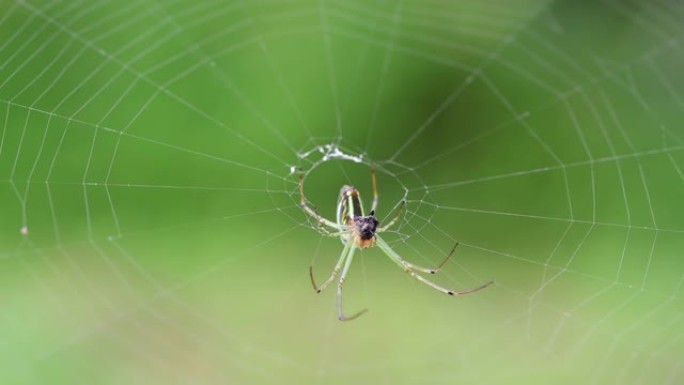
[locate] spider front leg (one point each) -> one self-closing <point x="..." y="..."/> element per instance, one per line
<point x="340" y="313"/>
<point x="346" y="258"/>
<point x="309" y="210"/>
<point x="335" y="272"/>
<point x="411" y="270"/>
<point x="436" y="269"/>
<point x="402" y="205"/>
<point x="374" y="181"/>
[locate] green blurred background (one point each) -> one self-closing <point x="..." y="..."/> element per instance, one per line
<point x="149" y="222"/>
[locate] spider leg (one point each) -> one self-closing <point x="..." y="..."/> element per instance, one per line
<point x="311" y="211"/>
<point x="410" y="269"/>
<point x="374" y="206"/>
<point x="444" y="289"/>
<point x="342" y="233"/>
<point x="335" y="272"/>
<point x="329" y="231"/>
<point x="402" y="205"/>
<point x="433" y="270"/>
<point x="350" y="257"/>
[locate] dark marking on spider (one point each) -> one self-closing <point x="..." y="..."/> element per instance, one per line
<point x="366" y="226"/>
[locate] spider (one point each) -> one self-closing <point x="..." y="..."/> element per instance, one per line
<point x="357" y="230"/>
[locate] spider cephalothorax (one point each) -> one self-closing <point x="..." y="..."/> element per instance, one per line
<point x="357" y="230"/>
<point x="366" y="226"/>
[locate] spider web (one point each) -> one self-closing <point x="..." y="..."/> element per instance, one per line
<point x="150" y="226"/>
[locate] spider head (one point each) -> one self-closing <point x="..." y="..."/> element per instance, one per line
<point x="366" y="226"/>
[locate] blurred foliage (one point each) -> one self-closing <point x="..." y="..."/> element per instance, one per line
<point x="149" y="222"/>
